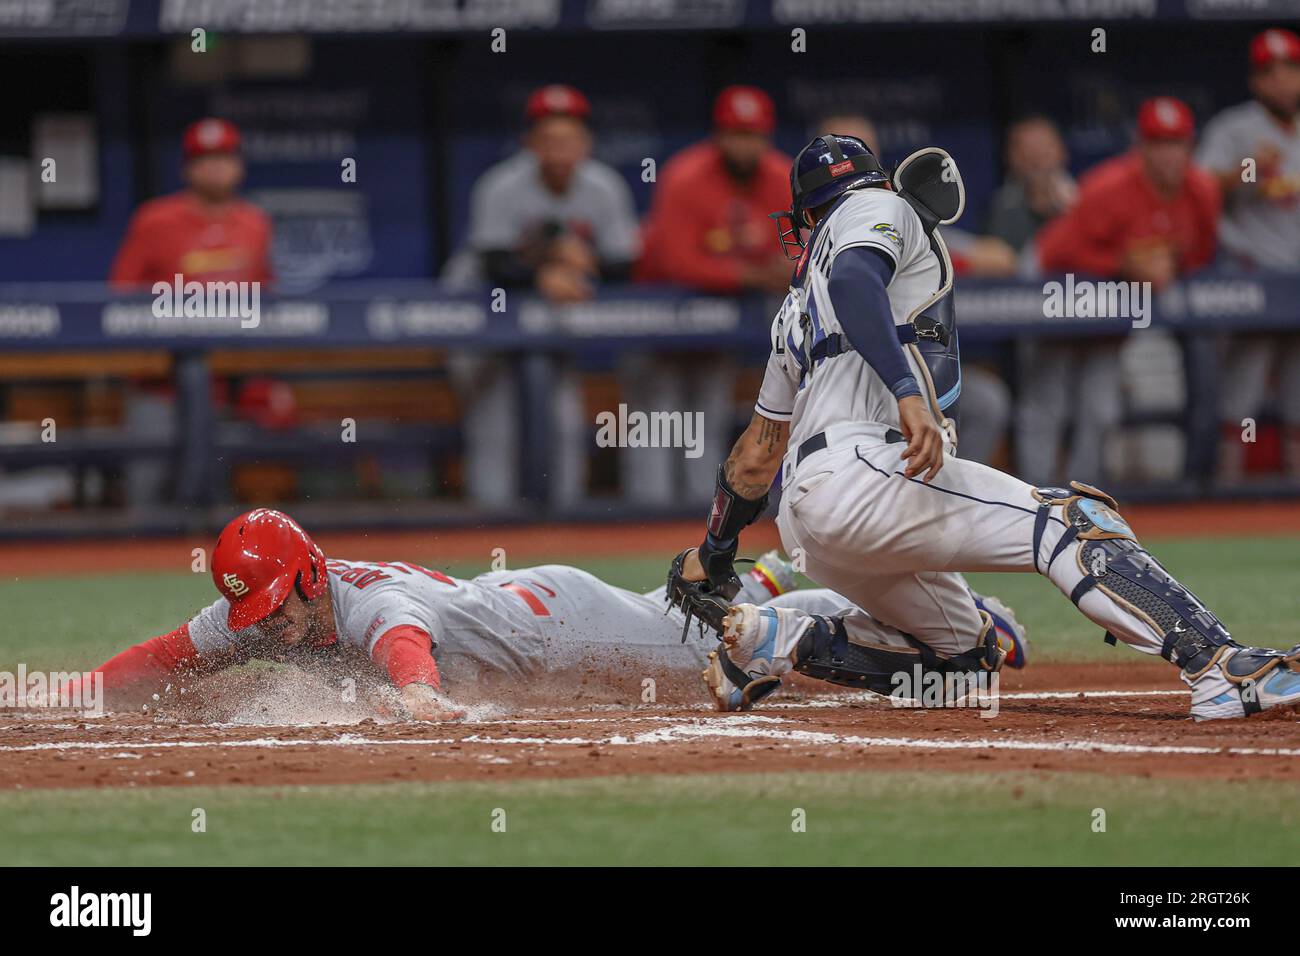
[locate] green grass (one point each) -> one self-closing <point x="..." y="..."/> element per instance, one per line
<point x="858" y="818"/>
<point x="852" y="818"/>
<point x="80" y="621"/>
<point x="1249" y="583"/>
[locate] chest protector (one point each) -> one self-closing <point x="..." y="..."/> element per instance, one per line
<point x="930" y="183"/>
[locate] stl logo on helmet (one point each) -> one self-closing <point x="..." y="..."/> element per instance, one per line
<point x="235" y="586"/>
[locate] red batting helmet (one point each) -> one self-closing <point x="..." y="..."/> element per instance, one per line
<point x="259" y="558"/>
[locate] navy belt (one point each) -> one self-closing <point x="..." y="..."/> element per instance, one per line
<point x="818" y="442"/>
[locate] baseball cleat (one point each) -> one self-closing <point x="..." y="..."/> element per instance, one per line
<point x="771" y="576"/>
<point x="1215" y="697"/>
<point x="757" y="646"/>
<point x="726" y="695"/>
<point x="1011" y="634"/>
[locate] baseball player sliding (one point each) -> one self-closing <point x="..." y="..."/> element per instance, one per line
<point x="852" y="413"/>
<point x="282" y="599"/>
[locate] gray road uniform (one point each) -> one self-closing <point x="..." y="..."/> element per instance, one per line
<point x="1259" y="229"/>
<point x="505" y="624"/>
<point x="509" y="204"/>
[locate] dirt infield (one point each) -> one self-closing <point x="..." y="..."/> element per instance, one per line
<point x="271" y="727"/>
<point x="1123" y="720"/>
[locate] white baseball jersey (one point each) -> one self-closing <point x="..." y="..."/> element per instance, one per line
<point x="845" y="388"/>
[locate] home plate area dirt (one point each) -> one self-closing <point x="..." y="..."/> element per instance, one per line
<point x="269" y="728"/>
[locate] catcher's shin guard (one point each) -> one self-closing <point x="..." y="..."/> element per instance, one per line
<point x="1096" y="554"/>
<point x="1097" y="561"/>
<point x="825" y="652"/>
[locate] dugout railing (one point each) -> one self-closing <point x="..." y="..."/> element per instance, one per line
<point x="46" y="320"/>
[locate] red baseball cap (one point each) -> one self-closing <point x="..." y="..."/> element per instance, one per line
<point x="259" y="558"/>
<point x="1273" y="45"/>
<point x="210" y="135"/>
<point x="556" y="100"/>
<point x="744" y="108"/>
<point x="1165" y="117"/>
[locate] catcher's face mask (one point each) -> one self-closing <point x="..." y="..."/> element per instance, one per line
<point x="790" y="236"/>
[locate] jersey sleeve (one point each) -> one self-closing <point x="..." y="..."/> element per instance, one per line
<point x="1220" y="151"/>
<point x="131" y="264"/>
<point x="618" y="236"/>
<point x="881" y="220"/>
<point x="405" y="654"/>
<point x="780" y="379"/>
<point x="211" y="635"/>
<point x="366" y="614"/>
<point x="491" y="224"/>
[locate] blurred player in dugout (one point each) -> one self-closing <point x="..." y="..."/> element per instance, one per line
<point x="1148" y="215"/>
<point x="204" y="233"/>
<point x="1260" y="232"/>
<point x="707" y="230"/>
<point x="553" y="220"/>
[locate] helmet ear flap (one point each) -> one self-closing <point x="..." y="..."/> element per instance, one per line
<point x="314" y="588"/>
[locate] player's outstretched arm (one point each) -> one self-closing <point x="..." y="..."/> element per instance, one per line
<point x="150" y="665"/>
<point x="405" y="654"/>
<point x="741" y="496"/>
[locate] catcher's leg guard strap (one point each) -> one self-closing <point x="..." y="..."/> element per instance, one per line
<point x="825" y="652"/>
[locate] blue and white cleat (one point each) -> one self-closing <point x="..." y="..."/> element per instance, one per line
<point x="1244" y="681"/>
<point x="748" y="665"/>
<point x="1011" y="634"/>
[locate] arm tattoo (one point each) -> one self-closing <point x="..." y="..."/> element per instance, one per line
<point x="770" y="435"/>
<point x="768" y="443"/>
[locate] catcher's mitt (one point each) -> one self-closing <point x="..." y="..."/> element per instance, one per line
<point x="698" y="600"/>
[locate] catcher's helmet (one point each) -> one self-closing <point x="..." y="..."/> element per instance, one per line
<point x="825" y="169"/>
<point x="259" y="558"/>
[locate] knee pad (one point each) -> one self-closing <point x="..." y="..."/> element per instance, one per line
<point x="826" y="653"/>
<point x="1112" y="561"/>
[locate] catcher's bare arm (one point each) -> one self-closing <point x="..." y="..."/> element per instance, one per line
<point x="754" y="461"/>
<point x="741" y="496"/>
<point x="702" y="581"/>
